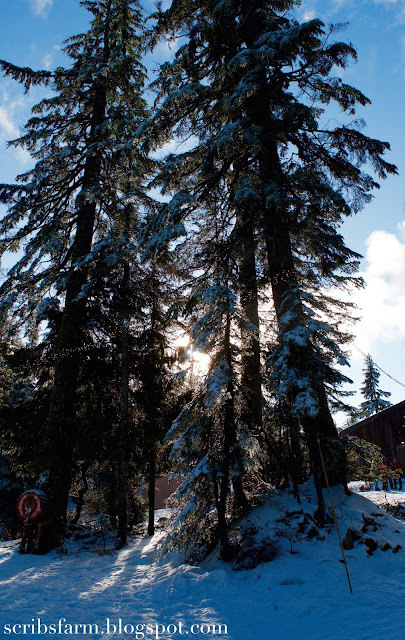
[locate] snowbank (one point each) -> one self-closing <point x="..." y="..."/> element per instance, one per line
<point x="302" y="595"/>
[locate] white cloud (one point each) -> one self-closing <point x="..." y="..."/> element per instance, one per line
<point x="175" y="146"/>
<point x="12" y="106"/>
<point x="307" y="10"/>
<point x="11" y="114"/>
<point x="47" y="60"/>
<point x="24" y="157"/>
<point x="165" y="50"/>
<point x="382" y="302"/>
<point x="41" y="7"/>
<point x="7" y="127"/>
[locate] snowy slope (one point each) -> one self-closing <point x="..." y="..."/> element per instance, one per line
<point x="304" y="595"/>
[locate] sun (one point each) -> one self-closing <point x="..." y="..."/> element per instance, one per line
<point x="200" y="361"/>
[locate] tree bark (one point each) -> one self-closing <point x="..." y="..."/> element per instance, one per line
<point x="286" y="298"/>
<point x="251" y="379"/>
<point x="231" y="459"/>
<point x="82" y="492"/>
<point x="274" y="223"/>
<point x="123" y="427"/>
<point x="62" y="418"/>
<point x="151" y="490"/>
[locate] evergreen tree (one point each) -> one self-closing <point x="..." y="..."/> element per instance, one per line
<point x="251" y="84"/>
<point x="210" y="442"/>
<point x="80" y="139"/>
<point x="214" y="446"/>
<point x="158" y="392"/>
<point x="374" y="396"/>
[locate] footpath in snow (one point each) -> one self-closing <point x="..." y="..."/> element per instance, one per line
<point x="303" y="595"/>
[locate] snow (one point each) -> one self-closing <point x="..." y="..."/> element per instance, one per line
<point x="303" y="595"/>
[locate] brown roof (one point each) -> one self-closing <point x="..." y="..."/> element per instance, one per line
<point x="397" y="411"/>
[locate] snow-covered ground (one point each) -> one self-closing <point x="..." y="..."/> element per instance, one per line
<point x="303" y="595"/>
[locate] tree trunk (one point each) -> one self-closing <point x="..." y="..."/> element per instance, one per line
<point x="251" y="379"/>
<point x="152" y="490"/>
<point x="282" y="272"/>
<point x="82" y="492"/>
<point x="286" y="299"/>
<point x="62" y="418"/>
<point x="295" y="456"/>
<point x="123" y="435"/>
<point x="231" y="459"/>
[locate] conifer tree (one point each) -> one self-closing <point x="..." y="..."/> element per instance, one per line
<point x="80" y="139"/>
<point x="251" y="84"/>
<point x="214" y="447"/>
<point x="158" y="393"/>
<point x="374" y="396"/>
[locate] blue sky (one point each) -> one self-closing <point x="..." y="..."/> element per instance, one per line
<point x="31" y="32"/>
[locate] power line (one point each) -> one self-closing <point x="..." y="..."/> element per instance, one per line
<point x="378" y="367"/>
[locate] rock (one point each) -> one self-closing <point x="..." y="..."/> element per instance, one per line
<point x="397" y="548"/>
<point x="371" y="544"/>
<point x="312" y="533"/>
<point x="386" y="546"/>
<point x="369" y="523"/>
<point x="350" y="538"/>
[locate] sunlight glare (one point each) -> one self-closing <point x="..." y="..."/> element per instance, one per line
<point x="200" y="361"/>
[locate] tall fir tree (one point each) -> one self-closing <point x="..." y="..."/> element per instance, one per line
<point x="215" y="447"/>
<point x="374" y="396"/>
<point x="251" y="84"/>
<point x="80" y="138"/>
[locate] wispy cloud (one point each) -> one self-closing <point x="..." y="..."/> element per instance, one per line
<point x="307" y="10"/>
<point x="47" y="60"/>
<point x="341" y="3"/>
<point x="41" y="7"/>
<point x="175" y="146"/>
<point x="309" y="14"/>
<point x="7" y="127"/>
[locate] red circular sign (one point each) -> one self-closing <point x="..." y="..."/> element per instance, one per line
<point x="31" y="506"/>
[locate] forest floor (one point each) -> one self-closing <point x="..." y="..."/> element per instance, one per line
<point x="303" y="594"/>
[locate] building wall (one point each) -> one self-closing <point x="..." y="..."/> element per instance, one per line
<point x="164" y="489"/>
<point x="386" y="429"/>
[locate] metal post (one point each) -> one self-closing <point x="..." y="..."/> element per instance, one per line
<point x="334" y="515"/>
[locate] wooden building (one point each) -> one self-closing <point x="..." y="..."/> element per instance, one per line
<point x="165" y="486"/>
<point x="385" y="429"/>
